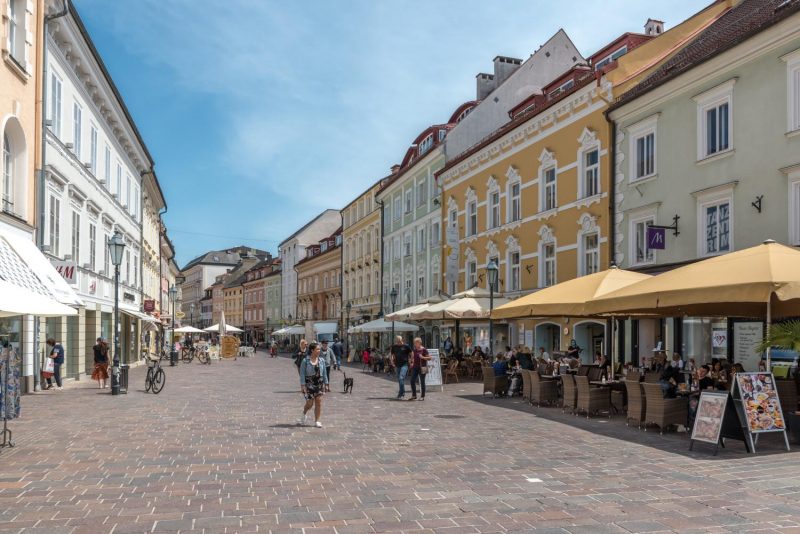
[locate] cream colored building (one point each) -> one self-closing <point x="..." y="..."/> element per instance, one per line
<point x="153" y="203"/>
<point x="319" y="290"/>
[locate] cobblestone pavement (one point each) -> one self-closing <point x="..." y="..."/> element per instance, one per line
<point x="218" y="451"/>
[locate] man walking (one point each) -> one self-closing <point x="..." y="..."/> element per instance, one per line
<point x="400" y="355"/>
<point x="338" y="350"/>
<point x="327" y="356"/>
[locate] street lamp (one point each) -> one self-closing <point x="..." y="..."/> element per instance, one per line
<point x="116" y="247"/>
<point x="191" y="314"/>
<point x="393" y="300"/>
<point x="493" y="272"/>
<point x="173" y="292"/>
<point x="347" y="309"/>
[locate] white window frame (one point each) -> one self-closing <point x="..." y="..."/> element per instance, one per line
<point x="585" y="252"/>
<point x="56" y="94"/>
<point x="514" y="275"/>
<point x="642" y="130"/>
<point x="9" y="174"/>
<point x="794" y="208"/>
<point x="409" y="197"/>
<point x="76" y="237"/>
<point x="77" y="129"/>
<point x="397" y="248"/>
<point x="514" y="201"/>
<point x="713" y="99"/>
<point x="543" y="264"/>
<point x="634" y="220"/>
<point x="793" y="90"/>
<point x="54" y="225"/>
<point x="545" y="187"/>
<point x="422" y="193"/>
<point x="470" y="273"/>
<point x="398" y="207"/>
<point x="16" y="30"/>
<point x="421" y="286"/>
<point x="421" y="239"/>
<point x="93" y="148"/>
<point x="472" y="218"/>
<point x="715" y="197"/>
<point x="493" y="209"/>
<point x="436" y="233"/>
<point x="407" y="248"/>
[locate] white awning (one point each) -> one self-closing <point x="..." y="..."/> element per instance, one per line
<point x="29" y="285"/>
<point x="326" y="328"/>
<point x="290" y="330"/>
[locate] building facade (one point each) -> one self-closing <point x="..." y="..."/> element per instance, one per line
<point x="233" y="291"/>
<point x="710" y="141"/>
<point x="319" y="290"/>
<point x="293" y="249"/>
<point x="153" y="203"/>
<point x="255" y="298"/>
<point x="272" y="302"/>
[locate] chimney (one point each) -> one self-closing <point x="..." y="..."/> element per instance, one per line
<point x="504" y="67"/>
<point x="485" y="85"/>
<point x="653" y="27"/>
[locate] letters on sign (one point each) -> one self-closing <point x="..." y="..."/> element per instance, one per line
<point x="656" y="238"/>
<point x="67" y="270"/>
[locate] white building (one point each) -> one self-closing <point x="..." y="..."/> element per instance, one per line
<point x="293" y="249"/>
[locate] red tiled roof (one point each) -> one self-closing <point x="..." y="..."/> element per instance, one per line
<point x="734" y="27"/>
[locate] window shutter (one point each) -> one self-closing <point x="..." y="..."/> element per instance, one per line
<point x="796" y="98"/>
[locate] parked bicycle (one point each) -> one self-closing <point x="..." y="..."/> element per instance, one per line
<point x="188" y="354"/>
<point x="202" y="355"/>
<point x="156" y="377"/>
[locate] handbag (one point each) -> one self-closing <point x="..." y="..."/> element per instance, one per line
<point x="49" y="366"/>
<point x="423" y="370"/>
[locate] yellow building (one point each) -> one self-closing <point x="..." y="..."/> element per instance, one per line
<point x="361" y="258"/>
<point x="534" y="196"/>
<point x="233" y="291"/>
<point x="319" y="288"/>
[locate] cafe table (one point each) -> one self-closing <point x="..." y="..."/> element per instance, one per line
<point x="611" y="385"/>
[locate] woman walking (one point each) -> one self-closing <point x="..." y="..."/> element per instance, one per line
<point x="100" y="372"/>
<point x="313" y="384"/>
<point x="301" y="353"/>
<point x="419" y="368"/>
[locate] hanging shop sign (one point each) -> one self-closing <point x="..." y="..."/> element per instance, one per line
<point x="149" y="305"/>
<point x="67" y="269"/>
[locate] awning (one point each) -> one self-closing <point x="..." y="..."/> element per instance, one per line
<point x="290" y="330"/>
<point x="150" y="321"/>
<point x="326" y="328"/>
<point x="380" y="325"/>
<point x="29" y="285"/>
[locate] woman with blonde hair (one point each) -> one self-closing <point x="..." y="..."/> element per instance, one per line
<point x="419" y="368"/>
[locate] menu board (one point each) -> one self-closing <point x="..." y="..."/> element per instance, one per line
<point x="747" y="336"/>
<point x="229" y="347"/>
<point x="760" y="402"/>
<point x="434" y="377"/>
<point x="710" y="413"/>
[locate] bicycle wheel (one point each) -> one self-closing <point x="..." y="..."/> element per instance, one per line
<point x="148" y="380"/>
<point x="159" y="378"/>
<point x="202" y="356"/>
<point x="190" y="357"/>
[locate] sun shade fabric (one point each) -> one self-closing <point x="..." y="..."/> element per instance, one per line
<point x="568" y="299"/>
<point x="326" y="328"/>
<point x="228" y="328"/>
<point x="380" y="325"/>
<point x="736" y="284"/>
<point x="470" y="304"/>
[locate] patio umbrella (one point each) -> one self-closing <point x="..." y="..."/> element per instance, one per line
<point x="189" y="330"/>
<point x="381" y="325"/>
<point x="291" y="330"/>
<point x="220" y="327"/>
<point x="406" y="313"/>
<point x="569" y="299"/>
<point x="470" y="304"/>
<point x="759" y="281"/>
<point x="223" y="330"/>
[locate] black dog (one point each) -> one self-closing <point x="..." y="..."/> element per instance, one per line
<point x="348" y="384"/>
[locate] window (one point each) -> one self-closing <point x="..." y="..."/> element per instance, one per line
<point x="407" y="293"/>
<point x="514" y="211"/>
<point x="8" y="174"/>
<point x="421" y="286"/>
<point x="421" y="239"/>
<point x="127" y="266"/>
<point x="513" y="271"/>
<point x="793" y="74"/>
<point x="93" y="149"/>
<point x="119" y="181"/>
<point x="566" y="86"/>
<point x="55" y="225"/>
<point x="76" y="237"/>
<point x="127" y="190"/>
<point x="77" y="129"/>
<point x="135" y="270"/>
<point x="641" y="253"/>
<point x="92" y="246"/>
<point x="396" y="253"/>
<point x="106" y="256"/>
<point x="591" y="173"/>
<point x="548" y="265"/>
<point x="135" y="210"/>
<point x="398" y="206"/>
<point x="367" y="286"/>
<point x="611" y="57"/>
<point x="453" y="218"/>
<point x="645" y="155"/>
<point x="107" y="166"/>
<point x="591" y="254"/>
<point x="55" y="104"/>
<point x="16" y="30"/>
<point x="714" y="120"/>
<point x="425" y="145"/>
<point x="494" y="209"/>
<point x="422" y="193"/>
<point x="407" y="245"/>
<point x="717" y="227"/>
<point x="472" y="218"/>
<point x="794" y="209"/>
<point x="435" y="234"/>
<point x="409" y="200"/>
<point x="549" y="198"/>
<point x="472" y="274"/>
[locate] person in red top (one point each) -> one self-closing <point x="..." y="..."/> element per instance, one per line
<point x="419" y="368"/>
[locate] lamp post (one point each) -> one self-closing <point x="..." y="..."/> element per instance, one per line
<point x="173" y="292"/>
<point x="191" y="314"/>
<point x="393" y="300"/>
<point x="116" y="247"/>
<point x="347" y="309"/>
<point x="493" y="272"/>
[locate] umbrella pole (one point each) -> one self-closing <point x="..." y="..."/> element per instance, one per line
<point x="613" y="346"/>
<point x="769" y="323"/>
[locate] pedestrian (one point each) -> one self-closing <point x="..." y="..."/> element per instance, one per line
<point x="301" y="353"/>
<point x="313" y="384"/>
<point x="448" y="346"/>
<point x="400" y="356"/>
<point x="419" y="368"/>
<point x="100" y="372"/>
<point x="338" y="351"/>
<point x="327" y="356"/>
<point x="57" y="354"/>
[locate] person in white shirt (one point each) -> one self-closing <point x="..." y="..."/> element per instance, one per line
<point x="543" y="354"/>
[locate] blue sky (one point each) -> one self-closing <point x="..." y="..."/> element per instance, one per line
<point x="261" y="113"/>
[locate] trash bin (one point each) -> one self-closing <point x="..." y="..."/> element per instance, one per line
<point x="123" y="377"/>
<point x="173" y="358"/>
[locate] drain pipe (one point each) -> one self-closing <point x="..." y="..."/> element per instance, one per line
<point x="37" y="386"/>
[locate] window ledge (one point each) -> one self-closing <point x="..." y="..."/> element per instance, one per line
<point x="643" y="179"/>
<point x="716" y="157"/>
<point x="16" y="67"/>
<point x="542" y="215"/>
<point x="793" y="133"/>
<point x="588" y="201"/>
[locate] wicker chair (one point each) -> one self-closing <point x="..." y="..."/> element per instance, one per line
<point x="570" y="393"/>
<point x="651" y="377"/>
<point x="452" y="370"/>
<point x="636" y="403"/>
<point x="592" y="400"/>
<point x="526" y="384"/>
<point x="543" y="391"/>
<point x="594" y="374"/>
<point x="496" y="385"/>
<point x="787" y="393"/>
<point x="660" y="411"/>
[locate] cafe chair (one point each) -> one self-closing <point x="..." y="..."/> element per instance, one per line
<point x="496" y="385"/>
<point x="594" y="374"/>
<point x="592" y="400"/>
<point x="660" y="411"/>
<point x="570" y="393"/>
<point x="451" y="371"/>
<point x="526" y="384"/>
<point x="651" y="377"/>
<point x="543" y="391"/>
<point x="787" y="394"/>
<point x="636" y="403"/>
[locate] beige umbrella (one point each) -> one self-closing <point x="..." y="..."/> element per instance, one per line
<point x="759" y="281"/>
<point x="470" y="304"/>
<point x="407" y="313"/>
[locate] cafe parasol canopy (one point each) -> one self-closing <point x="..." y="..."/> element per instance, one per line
<point x="381" y="325"/>
<point x="470" y="304"/>
<point x="407" y="313"/>
<point x="189" y="330"/>
<point x="223" y="331"/>
<point x="569" y="299"/>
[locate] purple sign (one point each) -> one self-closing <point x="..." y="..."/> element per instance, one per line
<point x="656" y="238"/>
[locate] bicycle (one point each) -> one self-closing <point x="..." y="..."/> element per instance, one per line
<point x="188" y="354"/>
<point x="156" y="378"/>
<point x="203" y="356"/>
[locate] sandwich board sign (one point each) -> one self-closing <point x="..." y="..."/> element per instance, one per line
<point x="434" y="377"/>
<point x="716" y="420"/>
<point x="756" y="398"/>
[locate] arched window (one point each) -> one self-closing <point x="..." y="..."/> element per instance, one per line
<point x="8" y="175"/>
<point x="13" y="186"/>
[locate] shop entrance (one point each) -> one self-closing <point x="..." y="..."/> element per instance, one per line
<point x="548" y="335"/>
<point x="590" y="336"/>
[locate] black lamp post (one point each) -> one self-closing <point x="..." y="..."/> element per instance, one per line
<point x="493" y="272"/>
<point x="191" y="314"/>
<point x="116" y="247"/>
<point x="347" y="309"/>
<point x="173" y="292"/>
<point x="393" y="300"/>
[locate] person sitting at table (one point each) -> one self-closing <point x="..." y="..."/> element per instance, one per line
<point x="515" y="384"/>
<point x="669" y="378"/>
<point x="677" y="361"/>
<point x="704" y="381"/>
<point x="574" y="351"/>
<point x="512" y="360"/>
<point x="478" y="353"/>
<point x="737" y="368"/>
<point x="524" y="359"/>
<point x="500" y="366"/>
<point x="603" y="363"/>
<point x="543" y="354"/>
<point x="690" y="366"/>
<point x="458" y="354"/>
<point x="719" y="375"/>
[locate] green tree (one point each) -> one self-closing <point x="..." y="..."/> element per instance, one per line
<point x="784" y="335"/>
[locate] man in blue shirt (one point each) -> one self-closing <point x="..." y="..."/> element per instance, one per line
<point x="500" y="366"/>
<point x="57" y="354"/>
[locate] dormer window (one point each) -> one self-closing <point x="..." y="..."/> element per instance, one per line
<point x="611" y="57"/>
<point x="425" y="145"/>
<point x="566" y="86"/>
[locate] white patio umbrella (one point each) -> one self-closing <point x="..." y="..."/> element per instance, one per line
<point x="224" y="328"/>
<point x="189" y="330"/>
<point x="381" y="325"/>
<point x="470" y="304"/>
<point x="407" y="313"/>
<point x="291" y="330"/>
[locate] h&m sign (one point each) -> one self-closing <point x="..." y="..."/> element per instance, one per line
<point x="67" y="269"/>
